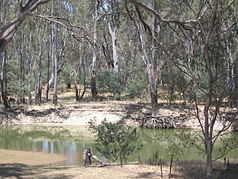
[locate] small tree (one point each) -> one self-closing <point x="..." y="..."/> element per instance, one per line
<point x="137" y="85"/>
<point x="110" y="82"/>
<point x="115" y="140"/>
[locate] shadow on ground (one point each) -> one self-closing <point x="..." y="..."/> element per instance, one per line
<point x="231" y="172"/>
<point x="196" y="170"/>
<point x="13" y="170"/>
<point x="21" y="171"/>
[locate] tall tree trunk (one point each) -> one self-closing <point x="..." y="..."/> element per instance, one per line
<point x="51" y="81"/>
<point x="232" y="98"/>
<point x="3" y="62"/>
<point x="21" y="94"/>
<point x="112" y="31"/>
<point x="38" y="68"/>
<point x="76" y="88"/>
<point x="47" y="86"/>
<point x="55" y="90"/>
<point x="30" y="64"/>
<point x="93" y="86"/>
<point x="54" y="56"/>
<point x="153" y="72"/>
<point x="38" y="87"/>
<point x="93" y="82"/>
<point x="153" y="94"/>
<point x="77" y="92"/>
<point x="0" y="98"/>
<point x="154" y="68"/>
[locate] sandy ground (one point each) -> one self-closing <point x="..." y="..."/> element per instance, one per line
<point x="29" y="158"/>
<point x="22" y="164"/>
<point x="72" y="113"/>
<point x="92" y="172"/>
<point x="107" y="172"/>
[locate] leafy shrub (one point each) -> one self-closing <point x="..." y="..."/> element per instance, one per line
<point x="115" y="141"/>
<point x="174" y="85"/>
<point x="110" y="82"/>
<point x="137" y="86"/>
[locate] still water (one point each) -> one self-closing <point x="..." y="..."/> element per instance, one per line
<point x="71" y="140"/>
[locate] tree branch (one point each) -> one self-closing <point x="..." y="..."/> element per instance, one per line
<point x="68" y="26"/>
<point x="8" y="31"/>
<point x="157" y="15"/>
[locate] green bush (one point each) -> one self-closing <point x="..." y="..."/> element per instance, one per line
<point x="110" y="82"/>
<point x="115" y="141"/>
<point x="137" y="86"/>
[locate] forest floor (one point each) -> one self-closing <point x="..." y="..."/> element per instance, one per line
<point x="69" y="112"/>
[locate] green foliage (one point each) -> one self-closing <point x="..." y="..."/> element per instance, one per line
<point x="110" y="82"/>
<point x="16" y="87"/>
<point x="115" y="140"/>
<point x="174" y="84"/>
<point x="137" y="86"/>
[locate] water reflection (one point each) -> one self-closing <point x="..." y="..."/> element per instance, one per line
<point x="71" y="142"/>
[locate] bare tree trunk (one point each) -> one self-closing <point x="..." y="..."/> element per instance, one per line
<point x="3" y="57"/>
<point x="54" y="57"/>
<point x="153" y="70"/>
<point x="55" y="91"/>
<point x="77" y="92"/>
<point x="232" y="98"/>
<point x="47" y="86"/>
<point x="51" y="81"/>
<point x="93" y="82"/>
<point x="38" y="68"/>
<point x="21" y="94"/>
<point x="38" y="83"/>
<point x="154" y="99"/>
<point x="84" y="79"/>
<point x="38" y="87"/>
<point x="30" y="64"/>
<point x="112" y="31"/>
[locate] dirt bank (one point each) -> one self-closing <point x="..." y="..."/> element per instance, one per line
<point x="29" y="158"/>
<point x="72" y="113"/>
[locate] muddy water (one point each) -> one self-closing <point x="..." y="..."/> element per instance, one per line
<point x="71" y="140"/>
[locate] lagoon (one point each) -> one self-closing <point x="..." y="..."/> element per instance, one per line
<point x="157" y="144"/>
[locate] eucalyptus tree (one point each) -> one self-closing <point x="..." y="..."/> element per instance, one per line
<point x="151" y="37"/>
<point x="231" y="43"/>
<point x="9" y="28"/>
<point x="39" y="49"/>
<point x="95" y="51"/>
<point x="112" y="12"/>
<point x="200" y="33"/>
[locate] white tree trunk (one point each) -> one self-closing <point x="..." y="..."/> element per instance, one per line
<point x="112" y="31"/>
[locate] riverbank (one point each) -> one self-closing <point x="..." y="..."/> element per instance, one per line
<point x="79" y="114"/>
<point x="132" y="113"/>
